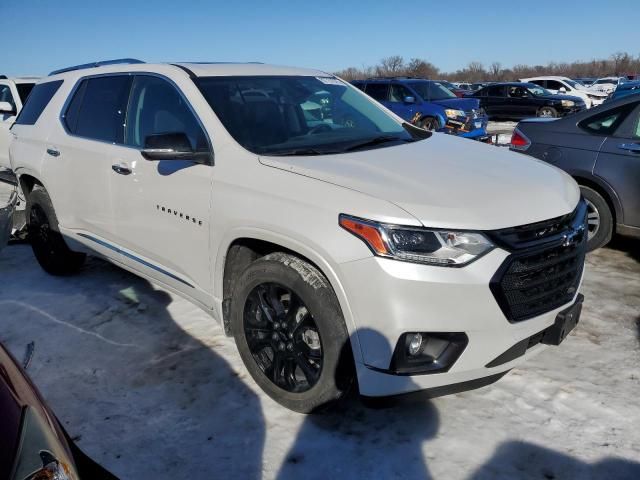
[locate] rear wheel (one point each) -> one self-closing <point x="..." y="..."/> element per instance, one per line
<point x="290" y="333"/>
<point x="599" y="219"/>
<point x="48" y="245"/>
<point x="547" y="112"/>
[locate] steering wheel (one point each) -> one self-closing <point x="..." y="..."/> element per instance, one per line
<point x="323" y="127"/>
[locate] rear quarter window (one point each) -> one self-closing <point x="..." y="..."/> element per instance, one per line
<point x="37" y="101"/>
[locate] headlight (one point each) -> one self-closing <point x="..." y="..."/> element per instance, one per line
<point x="568" y="103"/>
<point x="446" y="248"/>
<point x="452" y="113"/>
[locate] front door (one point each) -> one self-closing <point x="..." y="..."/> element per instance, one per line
<point x="397" y="101"/>
<point x="618" y="164"/>
<point x="6" y="120"/>
<point x="163" y="207"/>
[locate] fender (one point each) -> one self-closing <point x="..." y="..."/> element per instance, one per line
<point x="600" y="183"/>
<point x="307" y="249"/>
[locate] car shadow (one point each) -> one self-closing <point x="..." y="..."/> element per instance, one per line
<point x="523" y="460"/>
<point x="628" y="245"/>
<point x="118" y="364"/>
<point x="356" y="439"/>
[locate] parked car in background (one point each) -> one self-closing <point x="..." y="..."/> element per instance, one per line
<point x="606" y="85"/>
<point x="457" y="91"/>
<point x="428" y="104"/>
<point x="624" y="89"/>
<point x="585" y="81"/>
<point x="477" y="86"/>
<point x="33" y="443"/>
<point x="566" y="86"/>
<point x="517" y="100"/>
<point x="600" y="149"/>
<point x="463" y="86"/>
<point x="13" y="94"/>
<point x="360" y="248"/>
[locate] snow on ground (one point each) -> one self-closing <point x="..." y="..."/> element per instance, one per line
<point x="151" y="388"/>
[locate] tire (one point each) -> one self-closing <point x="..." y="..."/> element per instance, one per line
<point x="276" y="367"/>
<point x="430" y="124"/>
<point x="600" y="219"/>
<point x="48" y="245"/>
<point x="547" y="112"/>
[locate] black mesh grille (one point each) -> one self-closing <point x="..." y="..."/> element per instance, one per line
<point x="536" y="279"/>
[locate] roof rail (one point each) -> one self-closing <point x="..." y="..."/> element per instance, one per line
<point x="97" y="64"/>
<point x="397" y="77"/>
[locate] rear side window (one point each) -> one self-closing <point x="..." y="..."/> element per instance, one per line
<point x="379" y="91"/>
<point x="38" y="100"/>
<point x="496" y="91"/>
<point x="606" y="123"/>
<point x="98" y="107"/>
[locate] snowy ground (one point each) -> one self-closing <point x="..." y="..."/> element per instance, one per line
<point x="151" y="388"/>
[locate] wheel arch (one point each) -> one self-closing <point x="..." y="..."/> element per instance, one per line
<point x="242" y="248"/>
<point x="606" y="192"/>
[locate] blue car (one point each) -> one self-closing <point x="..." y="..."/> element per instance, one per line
<point x="428" y="104"/>
<point x="626" y="88"/>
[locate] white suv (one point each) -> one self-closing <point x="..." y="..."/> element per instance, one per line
<point x="567" y="86"/>
<point x="331" y="244"/>
<point x="13" y="94"/>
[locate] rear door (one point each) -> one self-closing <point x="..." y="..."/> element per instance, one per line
<point x="497" y="101"/>
<point x="163" y="207"/>
<point x="522" y="104"/>
<point x="618" y="164"/>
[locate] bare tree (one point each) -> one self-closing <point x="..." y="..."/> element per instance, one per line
<point x="421" y="68"/>
<point x="495" y="70"/>
<point x="390" y="66"/>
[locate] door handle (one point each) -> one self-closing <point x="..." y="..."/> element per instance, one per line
<point x="632" y="147"/>
<point x="121" y="169"/>
<point x="53" y="152"/>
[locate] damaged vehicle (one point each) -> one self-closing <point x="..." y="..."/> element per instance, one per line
<point x="335" y="247"/>
<point x="33" y="443"/>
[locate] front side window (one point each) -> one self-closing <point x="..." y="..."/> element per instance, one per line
<point x="431" y="91"/>
<point x="517" y="92"/>
<point x="541" y="83"/>
<point x="538" y="91"/>
<point x="38" y="99"/>
<point x="399" y="93"/>
<point x="97" y="109"/>
<point x="5" y="95"/>
<point x="156" y="107"/>
<point x="555" y="85"/>
<point x="496" y="91"/>
<point x="299" y="115"/>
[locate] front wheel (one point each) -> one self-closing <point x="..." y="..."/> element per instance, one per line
<point x="429" y="123"/>
<point x="547" y="112"/>
<point x="290" y="333"/>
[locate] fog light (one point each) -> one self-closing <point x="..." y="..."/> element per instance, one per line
<point x="427" y="352"/>
<point x="415" y="343"/>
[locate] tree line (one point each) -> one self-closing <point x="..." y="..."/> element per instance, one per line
<point x="618" y="64"/>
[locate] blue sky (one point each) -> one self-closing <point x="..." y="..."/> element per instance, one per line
<point x="330" y="35"/>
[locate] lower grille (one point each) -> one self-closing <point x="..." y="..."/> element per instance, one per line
<point x="533" y="281"/>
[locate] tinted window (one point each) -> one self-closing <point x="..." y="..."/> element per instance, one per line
<point x="24" y="89"/>
<point x="358" y="85"/>
<point x="378" y="91"/>
<point x="157" y="107"/>
<point x="5" y="95"/>
<point x="606" y="123"/>
<point x="38" y="99"/>
<point x="555" y="85"/>
<point x="97" y="110"/>
<point x="399" y="92"/>
<point x="496" y="91"/>
<point x="517" y="92"/>
<point x="542" y="83"/>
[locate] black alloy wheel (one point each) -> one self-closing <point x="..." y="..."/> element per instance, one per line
<point x="283" y="337"/>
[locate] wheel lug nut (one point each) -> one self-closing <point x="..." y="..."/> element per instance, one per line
<point x="276" y="325"/>
<point x="290" y="335"/>
<point x="275" y="336"/>
<point x="281" y="346"/>
<point x="289" y="346"/>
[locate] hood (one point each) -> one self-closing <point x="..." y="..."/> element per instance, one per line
<point x="562" y="96"/>
<point x="466" y="104"/>
<point x="447" y="182"/>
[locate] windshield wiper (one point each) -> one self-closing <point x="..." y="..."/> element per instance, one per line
<point x="299" y="151"/>
<point x="375" y="141"/>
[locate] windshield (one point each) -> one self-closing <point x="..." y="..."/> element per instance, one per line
<point x="432" y="90"/>
<point x="301" y="115"/>
<point x="539" y="91"/>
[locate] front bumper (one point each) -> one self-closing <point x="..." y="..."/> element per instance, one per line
<point x="472" y="126"/>
<point x="423" y="298"/>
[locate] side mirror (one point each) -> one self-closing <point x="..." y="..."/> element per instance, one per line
<point x="7" y="109"/>
<point x="409" y="99"/>
<point x="169" y="146"/>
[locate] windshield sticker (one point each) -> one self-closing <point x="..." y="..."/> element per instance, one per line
<point x="330" y="80"/>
